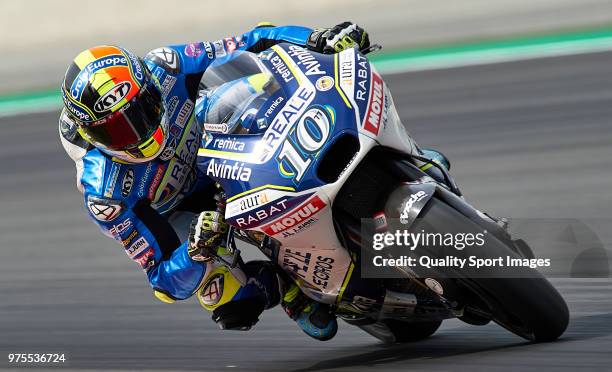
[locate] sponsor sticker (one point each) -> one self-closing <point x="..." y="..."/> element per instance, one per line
<point x="273" y="106"/>
<point x="209" y="50"/>
<point x="324" y="83"/>
<point x="121" y="227"/>
<point x="346" y="73"/>
<point x="113" y="97"/>
<point x="374" y="112"/>
<point x="232" y="171"/>
<point x="380" y="222"/>
<point x="305" y="60"/>
<point x="230" y="44"/>
<point x="279" y="66"/>
<point x="167" y="57"/>
<point x="179" y="172"/>
<point x="112" y="60"/>
<point x="125" y="242"/>
<point x="253" y="218"/>
<point x="175" y="130"/>
<point x="322" y="271"/>
<point x="167" y="85"/>
<point x="252" y="201"/>
<point x="305" y="142"/>
<point x="271" y="201"/>
<point x="296" y="261"/>
<point x="144" y="180"/>
<point x="434" y="285"/>
<point x="219" y="48"/>
<point x="299" y="228"/>
<point x="229" y="144"/>
<point x="363" y="72"/>
<point x="307" y="210"/>
<point x="77" y="111"/>
<point x="262" y="123"/>
<point x="137" y="247"/>
<point x="346" y="61"/>
<point x="194" y="49"/>
<point x="184" y="113"/>
<point x="319" y="268"/>
<point x="218" y="128"/>
<point x="136" y="67"/>
<point x="112" y="180"/>
<point x="167" y="153"/>
<point x="213" y="290"/>
<point x="127" y="183"/>
<point x="283" y="121"/>
<point x="145" y="259"/>
<point x="159" y="174"/>
<point x="416" y="197"/>
<point x="172" y="104"/>
<point x="104" y="210"/>
<point x="79" y="84"/>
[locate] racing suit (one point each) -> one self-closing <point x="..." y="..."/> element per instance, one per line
<point x="135" y="203"/>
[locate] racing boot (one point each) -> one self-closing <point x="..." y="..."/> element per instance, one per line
<point x="315" y="319"/>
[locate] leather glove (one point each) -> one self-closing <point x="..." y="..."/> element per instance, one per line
<point x="207" y="234"/>
<point x="338" y="38"/>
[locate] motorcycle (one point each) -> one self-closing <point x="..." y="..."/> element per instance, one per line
<point x="307" y="145"/>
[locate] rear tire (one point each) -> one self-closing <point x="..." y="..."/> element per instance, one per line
<point x="394" y="331"/>
<point x="412" y="331"/>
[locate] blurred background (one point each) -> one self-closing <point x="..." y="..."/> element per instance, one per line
<point x="40" y="37"/>
<point x="518" y="94"/>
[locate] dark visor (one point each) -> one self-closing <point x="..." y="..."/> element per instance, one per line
<point x="131" y="125"/>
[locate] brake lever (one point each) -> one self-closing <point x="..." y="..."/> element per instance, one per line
<point x="231" y="248"/>
<point x="372" y="48"/>
<point x="449" y="180"/>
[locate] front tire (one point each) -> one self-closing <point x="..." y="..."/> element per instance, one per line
<point x="527" y="305"/>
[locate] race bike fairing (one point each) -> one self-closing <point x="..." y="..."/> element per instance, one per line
<point x="236" y="87"/>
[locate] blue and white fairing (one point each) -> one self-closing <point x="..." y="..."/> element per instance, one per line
<point x="268" y="155"/>
<point x="303" y="115"/>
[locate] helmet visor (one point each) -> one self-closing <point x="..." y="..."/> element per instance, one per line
<point x="130" y="126"/>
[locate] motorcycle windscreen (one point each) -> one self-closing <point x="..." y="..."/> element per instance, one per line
<point x="237" y="86"/>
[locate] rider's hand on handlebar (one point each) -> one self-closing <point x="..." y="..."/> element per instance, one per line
<point x="338" y="38"/>
<point x="207" y="234"/>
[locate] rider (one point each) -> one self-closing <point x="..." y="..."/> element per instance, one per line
<point x="128" y="123"/>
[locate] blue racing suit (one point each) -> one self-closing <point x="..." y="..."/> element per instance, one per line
<point x="133" y="202"/>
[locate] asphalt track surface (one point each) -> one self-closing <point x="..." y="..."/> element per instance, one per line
<point x="527" y="139"/>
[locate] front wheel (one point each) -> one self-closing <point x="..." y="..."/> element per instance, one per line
<point x="527" y="305"/>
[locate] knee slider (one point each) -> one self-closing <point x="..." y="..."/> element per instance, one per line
<point x="233" y="306"/>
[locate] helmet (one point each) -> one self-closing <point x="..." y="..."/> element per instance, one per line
<point x="116" y="104"/>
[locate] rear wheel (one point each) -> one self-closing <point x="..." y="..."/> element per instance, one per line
<point x="394" y="331"/>
<point x="412" y="331"/>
